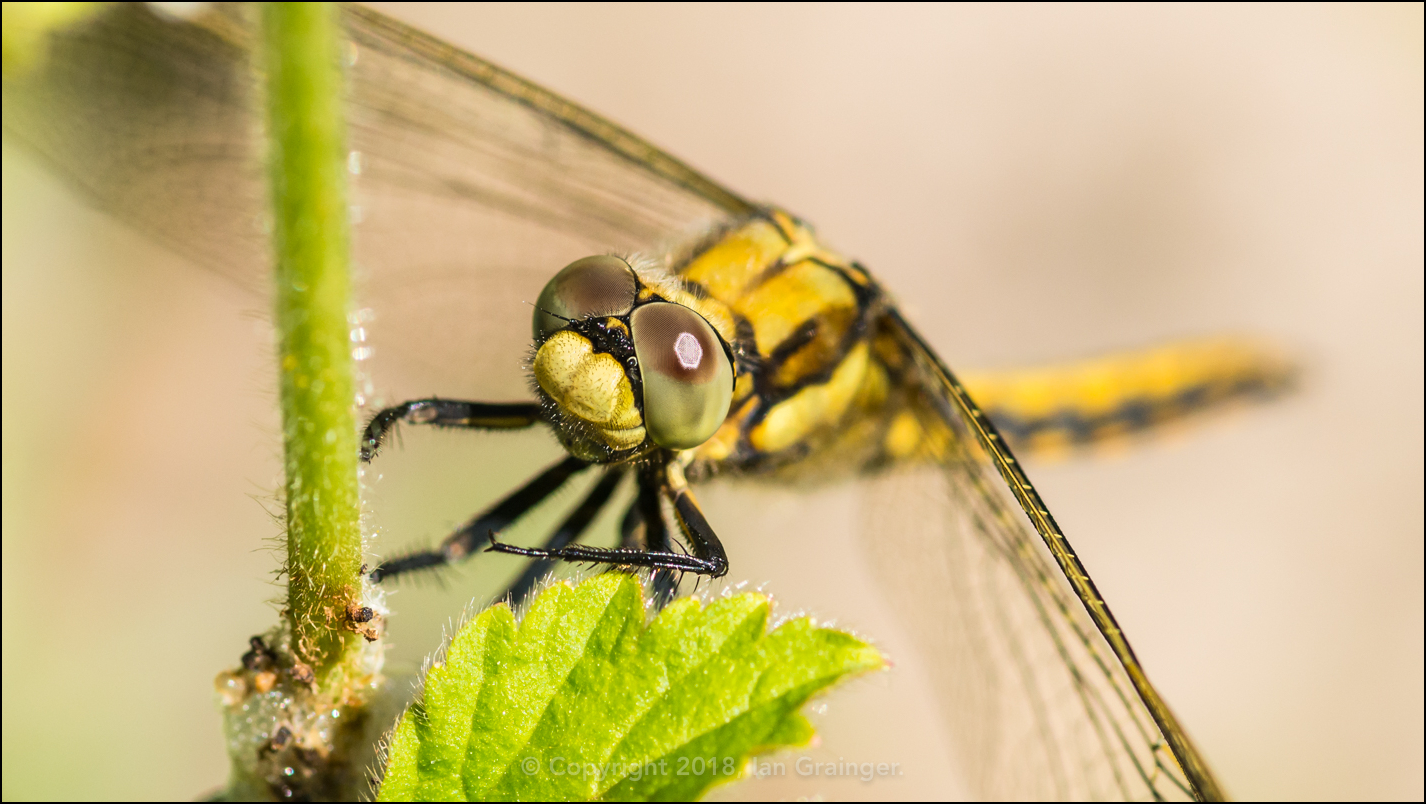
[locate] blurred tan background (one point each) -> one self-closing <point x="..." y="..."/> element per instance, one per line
<point x="1033" y="183"/>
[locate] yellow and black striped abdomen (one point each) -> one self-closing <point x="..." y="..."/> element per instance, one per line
<point x="1056" y="408"/>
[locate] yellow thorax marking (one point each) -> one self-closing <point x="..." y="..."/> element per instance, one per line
<point x="729" y="267"/>
<point x="794" y="419"/>
<point x="736" y="261"/>
<point x="777" y="307"/>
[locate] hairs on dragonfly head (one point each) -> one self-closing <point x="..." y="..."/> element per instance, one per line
<point x="653" y="273"/>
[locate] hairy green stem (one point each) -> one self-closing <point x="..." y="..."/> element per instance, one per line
<point x="301" y="49"/>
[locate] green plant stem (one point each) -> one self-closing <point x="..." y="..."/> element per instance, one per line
<point x="307" y="172"/>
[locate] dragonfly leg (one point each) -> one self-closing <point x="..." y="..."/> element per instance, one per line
<point x="708" y="557"/>
<point x="474" y="533"/>
<point x="569" y="531"/>
<point x="632" y="527"/>
<point x="644" y="529"/>
<point x="448" y="413"/>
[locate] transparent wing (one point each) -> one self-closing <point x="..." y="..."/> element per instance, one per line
<point x="475" y="186"/>
<point x="471" y="186"/>
<point x="1041" y="704"/>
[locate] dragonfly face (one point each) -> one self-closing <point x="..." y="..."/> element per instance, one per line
<point x="627" y="364"/>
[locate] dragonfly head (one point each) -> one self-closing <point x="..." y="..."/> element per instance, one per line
<point x="626" y="362"/>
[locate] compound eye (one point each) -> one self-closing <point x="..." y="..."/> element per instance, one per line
<point x="688" y="382"/>
<point x="591" y="287"/>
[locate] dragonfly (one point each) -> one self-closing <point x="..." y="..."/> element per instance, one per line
<point x="729" y="337"/>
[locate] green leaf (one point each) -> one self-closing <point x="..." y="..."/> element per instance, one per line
<point x="581" y="700"/>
